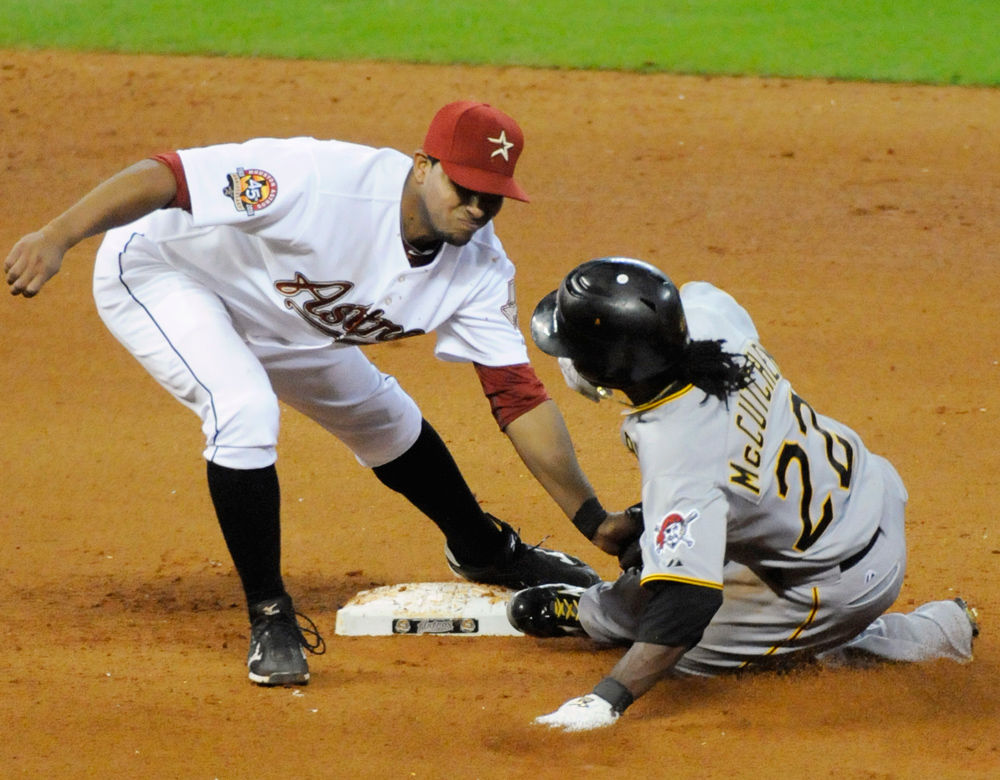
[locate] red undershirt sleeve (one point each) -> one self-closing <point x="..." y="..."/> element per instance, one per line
<point x="511" y="390"/>
<point x="173" y="161"/>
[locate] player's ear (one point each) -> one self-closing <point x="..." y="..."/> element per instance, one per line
<point x="422" y="165"/>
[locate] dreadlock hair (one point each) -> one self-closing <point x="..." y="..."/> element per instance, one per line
<point x="716" y="372"/>
<point x="703" y="364"/>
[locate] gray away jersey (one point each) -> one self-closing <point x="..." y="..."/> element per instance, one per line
<point x="764" y="480"/>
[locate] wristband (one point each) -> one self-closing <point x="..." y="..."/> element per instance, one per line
<point x="589" y="516"/>
<point x="614" y="693"/>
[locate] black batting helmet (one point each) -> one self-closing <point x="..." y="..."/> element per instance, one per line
<point x="618" y="319"/>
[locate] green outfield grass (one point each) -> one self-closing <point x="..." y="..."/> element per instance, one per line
<point x="932" y="41"/>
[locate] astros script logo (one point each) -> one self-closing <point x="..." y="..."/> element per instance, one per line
<point x="323" y="305"/>
<point x="674" y="530"/>
<point x="251" y="189"/>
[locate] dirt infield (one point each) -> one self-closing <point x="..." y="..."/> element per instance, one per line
<point x="858" y="223"/>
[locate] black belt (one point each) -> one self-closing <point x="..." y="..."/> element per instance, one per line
<point x="847" y="563"/>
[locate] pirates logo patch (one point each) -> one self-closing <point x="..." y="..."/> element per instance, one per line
<point x="251" y="189"/>
<point x="674" y="530"/>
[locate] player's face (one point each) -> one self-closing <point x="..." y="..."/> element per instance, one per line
<point x="451" y="212"/>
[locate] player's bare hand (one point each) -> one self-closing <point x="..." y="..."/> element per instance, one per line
<point x="31" y="263"/>
<point x="619" y="530"/>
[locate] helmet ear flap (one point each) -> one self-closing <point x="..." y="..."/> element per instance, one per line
<point x="545" y="330"/>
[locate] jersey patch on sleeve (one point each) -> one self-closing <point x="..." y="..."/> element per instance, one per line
<point x="675" y="530"/>
<point x="509" y="309"/>
<point x="251" y="189"/>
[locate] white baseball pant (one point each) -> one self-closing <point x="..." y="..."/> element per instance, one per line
<point x="184" y="335"/>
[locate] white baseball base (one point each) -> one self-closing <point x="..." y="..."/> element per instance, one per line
<point x="438" y="608"/>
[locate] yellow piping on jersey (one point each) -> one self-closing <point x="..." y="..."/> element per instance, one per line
<point x="685" y="580"/>
<point x="795" y="634"/>
<point x="660" y="401"/>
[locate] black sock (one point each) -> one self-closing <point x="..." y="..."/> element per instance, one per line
<point x="247" y="503"/>
<point x="429" y="478"/>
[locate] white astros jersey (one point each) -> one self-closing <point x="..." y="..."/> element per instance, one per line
<point x="290" y="262"/>
<point x="301" y="239"/>
<point x="763" y="480"/>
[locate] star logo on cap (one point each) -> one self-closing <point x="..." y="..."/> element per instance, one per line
<point x="503" y="145"/>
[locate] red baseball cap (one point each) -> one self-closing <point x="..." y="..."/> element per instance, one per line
<point x="478" y="146"/>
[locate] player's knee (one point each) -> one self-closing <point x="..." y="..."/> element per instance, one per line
<point x="378" y="431"/>
<point x="250" y="423"/>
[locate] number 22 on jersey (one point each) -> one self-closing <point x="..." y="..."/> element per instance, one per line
<point x="793" y="460"/>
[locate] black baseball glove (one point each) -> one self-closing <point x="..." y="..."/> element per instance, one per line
<point x="630" y="554"/>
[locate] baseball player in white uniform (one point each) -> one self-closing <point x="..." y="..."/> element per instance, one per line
<point x="767" y="531"/>
<point x="245" y="273"/>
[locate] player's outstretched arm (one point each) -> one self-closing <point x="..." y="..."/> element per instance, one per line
<point x="542" y="441"/>
<point x="134" y="192"/>
<point x="644" y="664"/>
<point x="632" y="676"/>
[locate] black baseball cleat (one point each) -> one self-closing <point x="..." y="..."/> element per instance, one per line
<point x="522" y="566"/>
<point x="547" y="611"/>
<point x="278" y="643"/>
